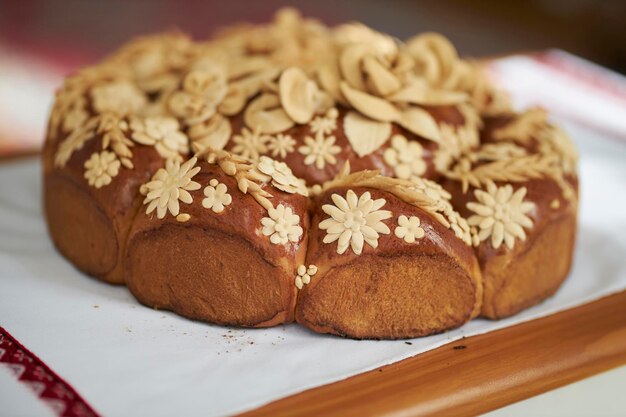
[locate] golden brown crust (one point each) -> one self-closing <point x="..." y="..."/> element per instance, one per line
<point x="515" y="279"/>
<point x="397" y="290"/>
<point x="532" y="264"/>
<point x="203" y="274"/>
<point x="90" y="225"/>
<point x="79" y="228"/>
<point x="217" y="267"/>
<point x="389" y="298"/>
<point x="516" y="282"/>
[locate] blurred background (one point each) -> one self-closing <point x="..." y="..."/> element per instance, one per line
<point x="43" y="40"/>
<point x="87" y="29"/>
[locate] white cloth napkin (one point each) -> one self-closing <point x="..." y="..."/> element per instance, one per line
<point x="124" y="358"/>
<point x="569" y="86"/>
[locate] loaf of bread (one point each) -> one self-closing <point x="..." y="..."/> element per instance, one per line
<point x="336" y="177"/>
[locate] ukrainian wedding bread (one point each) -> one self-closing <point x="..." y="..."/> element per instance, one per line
<point x="336" y="177"/>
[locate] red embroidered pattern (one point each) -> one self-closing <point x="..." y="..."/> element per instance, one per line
<point x="48" y="386"/>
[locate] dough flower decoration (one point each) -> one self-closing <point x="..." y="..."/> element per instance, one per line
<point x="319" y="151"/>
<point x="250" y="144"/>
<point x="216" y="196"/>
<point x="441" y="205"/>
<point x="325" y="124"/>
<point x="554" y="140"/>
<point x="459" y="225"/>
<point x="282" y="225"/>
<point x="75" y="141"/>
<point x="282" y="177"/>
<point x="161" y="132"/>
<point x="121" y="97"/>
<point x="301" y="97"/>
<point x="169" y="185"/>
<point x="457" y="142"/>
<point x="213" y="133"/>
<point x="354" y="221"/>
<point x="76" y="116"/>
<point x="501" y="214"/>
<point x="114" y="137"/>
<point x="266" y="115"/>
<point x="304" y="275"/>
<point x="281" y="145"/>
<point x="365" y="135"/>
<point x="524" y="127"/>
<point x="101" y="168"/>
<point x="249" y="179"/>
<point x="203" y="89"/>
<point x="387" y="82"/>
<point x="432" y="189"/>
<point x="405" y="157"/>
<point x="409" y="229"/>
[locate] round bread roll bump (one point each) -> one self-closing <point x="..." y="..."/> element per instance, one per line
<point x="518" y="189"/>
<point x="391" y="262"/>
<point x="218" y="241"/>
<point x="88" y="219"/>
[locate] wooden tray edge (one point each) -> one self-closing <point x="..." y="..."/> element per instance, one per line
<point x="480" y="373"/>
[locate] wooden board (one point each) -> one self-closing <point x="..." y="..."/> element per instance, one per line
<point x="480" y="373"/>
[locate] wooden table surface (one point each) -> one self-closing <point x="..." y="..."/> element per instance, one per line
<point x="479" y="373"/>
